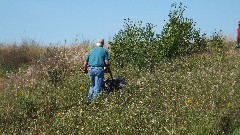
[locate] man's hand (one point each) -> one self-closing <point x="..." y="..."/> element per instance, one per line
<point x="106" y="69"/>
<point x="85" y="67"/>
<point x="85" y="71"/>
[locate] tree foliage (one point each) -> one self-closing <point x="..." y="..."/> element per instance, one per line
<point x="134" y="44"/>
<point x="139" y="46"/>
<point x="179" y="37"/>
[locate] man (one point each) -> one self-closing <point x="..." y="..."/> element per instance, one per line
<point x="94" y="64"/>
<point x="238" y="36"/>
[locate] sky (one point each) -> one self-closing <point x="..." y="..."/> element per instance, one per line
<point x="57" y="21"/>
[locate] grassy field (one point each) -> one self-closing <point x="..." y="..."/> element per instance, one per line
<point x="47" y="93"/>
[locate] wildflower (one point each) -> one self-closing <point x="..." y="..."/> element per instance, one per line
<point x="112" y="103"/>
<point x="229" y="105"/>
<point x="197" y="103"/>
<point x="58" y="114"/>
<point x="16" y="94"/>
<point x="80" y="88"/>
<point x="189" y="100"/>
<point x="29" y="85"/>
<point x="22" y="93"/>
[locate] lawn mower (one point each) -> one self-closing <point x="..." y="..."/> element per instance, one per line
<point x="112" y="83"/>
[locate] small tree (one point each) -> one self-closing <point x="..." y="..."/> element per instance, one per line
<point x="133" y="45"/>
<point x="139" y="45"/>
<point x="179" y="37"/>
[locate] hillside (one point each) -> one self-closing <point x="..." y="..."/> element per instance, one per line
<point x="195" y="94"/>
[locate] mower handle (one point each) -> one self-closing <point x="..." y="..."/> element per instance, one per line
<point x="108" y="69"/>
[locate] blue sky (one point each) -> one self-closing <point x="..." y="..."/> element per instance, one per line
<point x="53" y="21"/>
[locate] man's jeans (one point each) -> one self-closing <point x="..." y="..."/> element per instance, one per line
<point x="96" y="79"/>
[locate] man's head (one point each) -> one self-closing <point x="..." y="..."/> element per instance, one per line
<point x="100" y="42"/>
<point x="239" y="24"/>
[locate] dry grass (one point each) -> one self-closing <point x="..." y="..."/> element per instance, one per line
<point x="32" y="63"/>
<point x="3" y="84"/>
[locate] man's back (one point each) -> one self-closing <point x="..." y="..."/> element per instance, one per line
<point x="97" y="56"/>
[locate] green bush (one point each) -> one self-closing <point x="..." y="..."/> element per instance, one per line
<point x="140" y="47"/>
<point x="216" y="40"/>
<point x="133" y="45"/>
<point x="179" y="37"/>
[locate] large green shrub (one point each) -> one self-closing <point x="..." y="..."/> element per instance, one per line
<point x="179" y="37"/>
<point x="140" y="47"/>
<point x="133" y="45"/>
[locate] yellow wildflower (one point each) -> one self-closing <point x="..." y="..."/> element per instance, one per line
<point x="80" y="88"/>
<point x="189" y="100"/>
<point x="229" y="105"/>
<point x="22" y="93"/>
<point x="16" y="93"/>
<point x="197" y="103"/>
<point x="58" y="114"/>
<point x="112" y="103"/>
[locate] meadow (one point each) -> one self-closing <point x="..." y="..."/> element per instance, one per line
<point x="46" y="94"/>
<point x="178" y="82"/>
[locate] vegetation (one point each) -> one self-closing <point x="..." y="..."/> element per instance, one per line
<point x="193" y="86"/>
<point x="139" y="45"/>
<point x="179" y="37"/>
<point x="134" y="45"/>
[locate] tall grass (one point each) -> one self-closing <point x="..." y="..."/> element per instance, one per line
<point x="195" y="94"/>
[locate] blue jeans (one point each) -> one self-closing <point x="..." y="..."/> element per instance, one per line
<point x="96" y="80"/>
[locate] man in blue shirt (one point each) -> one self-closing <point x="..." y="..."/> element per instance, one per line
<point x="94" y="64"/>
